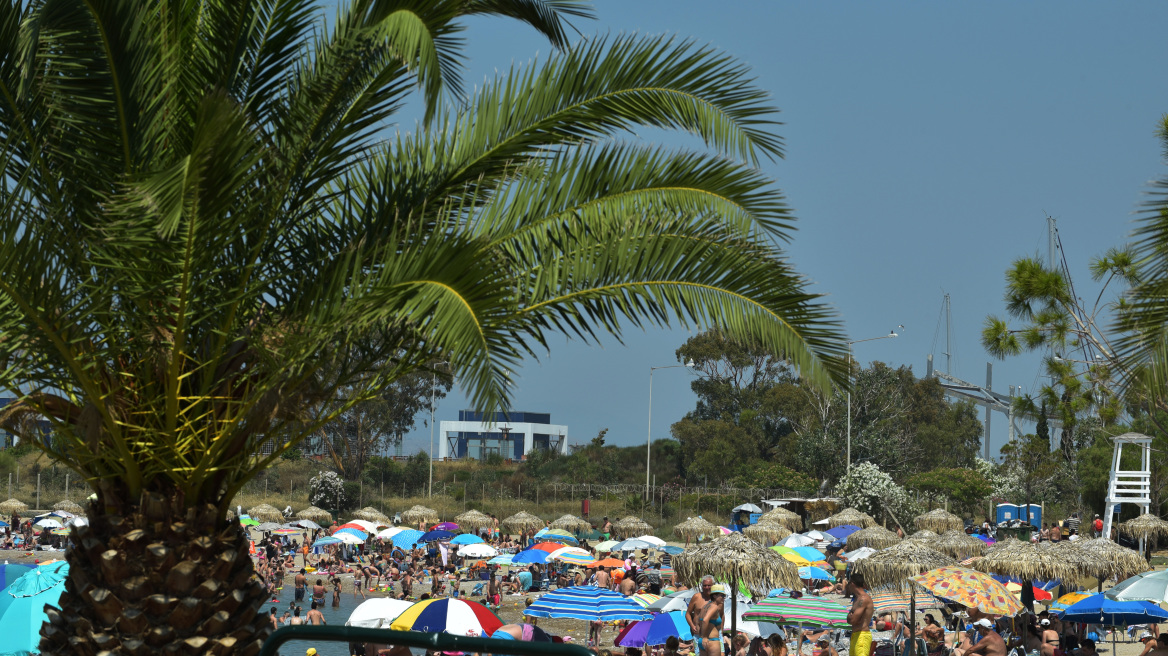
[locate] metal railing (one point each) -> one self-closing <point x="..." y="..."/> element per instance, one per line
<point x="430" y="641"/>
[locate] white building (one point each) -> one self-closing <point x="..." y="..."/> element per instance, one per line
<point x="511" y="435"/>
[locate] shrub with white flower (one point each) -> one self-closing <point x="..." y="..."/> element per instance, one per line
<point x="326" y="490"/>
<point x="868" y="489"/>
<point x="1006" y="481"/>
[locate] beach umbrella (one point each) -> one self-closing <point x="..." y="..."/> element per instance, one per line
<point x="923" y="535"/>
<point x="479" y="550"/>
<point x="537" y="556"/>
<point x="671" y="550"/>
<point x="958" y="545"/>
<point x="326" y="541"/>
<point x="653" y="540"/>
<point x="1102" y="559"/>
<point x="419" y="513"/>
<point x="522" y="522"/>
<point x="69" y="506"/>
<point x="356" y="532"/>
<point x="693" y="528"/>
<point x="571" y="523"/>
<point x="456" y="616"/>
<point x="1149" y="586"/>
<point x="969" y="588"/>
<point x="851" y="516"/>
<point x="558" y="535"/>
<point x="632" y="526"/>
<point x="899" y="601"/>
<point x="808" y="612"/>
<point x="810" y="553"/>
<point x="783" y="517"/>
<point x="765" y="532"/>
<point x="608" y="562"/>
<point x="13" y="506"/>
<point x="9" y="573"/>
<point x="818" y="536"/>
<point x="738" y="559"/>
<point x="842" y="532"/>
<point x="315" y="514"/>
<point x="1098" y="609"/>
<point x="244" y="520"/>
<point x="797" y="540"/>
<point x="939" y="521"/>
<point x="266" y="513"/>
<point x="503" y="560"/>
<point x="377" y="613"/>
<point x="815" y="573"/>
<point x="893" y="566"/>
<point x="746" y="507"/>
<point x="605" y="546"/>
<point x="283" y="530"/>
<point x="444" y="526"/>
<point x="586" y="602"/>
<point x="268" y="527"/>
<point x="473" y="520"/>
<point x="387" y="534"/>
<point x="572" y="556"/>
<point x="348" y="538"/>
<point x="406" y="539"/>
<point x="644" y="599"/>
<point x="1025" y="562"/>
<point x="466" y="538"/>
<point x="632" y="544"/>
<point x="1068" y="600"/>
<point x="521" y="632"/>
<point x="876" y="537"/>
<point x="371" y="514"/>
<point x="435" y="536"/>
<point x="789" y="554"/>
<point x="361" y="525"/>
<point x="306" y="523"/>
<point x="655" y="631"/>
<point x="547" y="546"/>
<point x="22" y="606"/>
<point x="859" y="554"/>
<point x="48" y="522"/>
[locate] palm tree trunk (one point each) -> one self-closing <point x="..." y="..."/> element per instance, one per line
<point x="160" y="579"/>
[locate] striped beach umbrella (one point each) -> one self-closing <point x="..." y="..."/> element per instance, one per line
<point x="587" y="602"/>
<point x="655" y="631"/>
<point x="644" y="599"/>
<point x="326" y="541"/>
<point x="357" y="533"/>
<point x="455" y="616"/>
<point x="805" y="612"/>
<point x="572" y="556"/>
<point x="894" y="601"/>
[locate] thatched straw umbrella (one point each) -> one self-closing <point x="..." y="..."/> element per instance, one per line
<point x="783" y="517"/>
<point x="1025" y="561"/>
<point x="632" y="526"/>
<point x="957" y="544"/>
<point x="419" y="514"/>
<point x="891" y="567"/>
<point x="1145" y="526"/>
<point x="13" y="506"/>
<point x="473" y="520"/>
<point x="265" y="513"/>
<point x="312" y="513"/>
<point x="694" y="527"/>
<point x="876" y="537"/>
<point x="736" y="558"/>
<point x="69" y="507"/>
<point x="523" y="522"/>
<point x="371" y="514"/>
<point x="1103" y="559"/>
<point x="571" y="523"/>
<point x="851" y="516"/>
<point x="764" y="532"/>
<point x="924" y="535"/>
<point x="939" y="520"/>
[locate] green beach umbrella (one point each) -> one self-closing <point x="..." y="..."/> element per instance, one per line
<point x="244" y="520"/>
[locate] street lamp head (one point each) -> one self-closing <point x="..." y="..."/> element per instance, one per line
<point x="892" y="333"/>
<point x="690" y="364"/>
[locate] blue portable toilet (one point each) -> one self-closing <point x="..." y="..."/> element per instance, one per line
<point x="1035" y="514"/>
<point x="1006" y="512"/>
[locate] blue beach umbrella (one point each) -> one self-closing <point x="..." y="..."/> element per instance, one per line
<point x="9" y="573"/>
<point x="466" y="538"/>
<point x="657" y="630"/>
<point x="406" y="539"/>
<point x="503" y="560"/>
<point x="538" y="556"/>
<point x="361" y="535"/>
<point x="817" y="573"/>
<point x="1098" y="609"/>
<point x="587" y="602"/>
<point x="810" y="553"/>
<point x="842" y="532"/>
<point x="22" y="615"/>
<point x="434" y="536"/>
<point x="325" y="541"/>
<point x="671" y="550"/>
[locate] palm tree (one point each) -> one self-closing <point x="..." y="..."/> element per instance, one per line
<point x="207" y="232"/>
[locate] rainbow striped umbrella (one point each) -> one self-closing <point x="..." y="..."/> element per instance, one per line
<point x="805" y="611"/>
<point x="892" y="601"/>
<point x="644" y="599"/>
<point x="572" y="556"/>
<point x="454" y="616"/>
<point x="287" y="531"/>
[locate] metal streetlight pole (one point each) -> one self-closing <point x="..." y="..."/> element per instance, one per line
<point x="649" y="438"/>
<point x="890" y="335"/>
<point x="433" y="384"/>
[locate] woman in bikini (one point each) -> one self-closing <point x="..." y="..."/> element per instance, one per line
<point x="1050" y="639"/>
<point x="336" y="581"/>
<point x="709" y="638"/>
<point x="318" y="592"/>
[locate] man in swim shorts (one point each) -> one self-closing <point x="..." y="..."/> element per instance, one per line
<point x="859" y="616"/>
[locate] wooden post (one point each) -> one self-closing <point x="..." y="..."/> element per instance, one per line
<point x="38" y="500"/>
<point x="66" y="485"/>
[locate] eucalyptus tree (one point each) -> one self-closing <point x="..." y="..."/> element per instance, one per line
<point x="208" y="231"/>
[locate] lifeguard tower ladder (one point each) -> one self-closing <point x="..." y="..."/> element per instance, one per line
<point x="1129" y="486"/>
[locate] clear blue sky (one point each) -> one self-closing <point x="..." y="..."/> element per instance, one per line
<point x="925" y="143"/>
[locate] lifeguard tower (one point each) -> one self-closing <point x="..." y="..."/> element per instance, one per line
<point x="1129" y="486"/>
